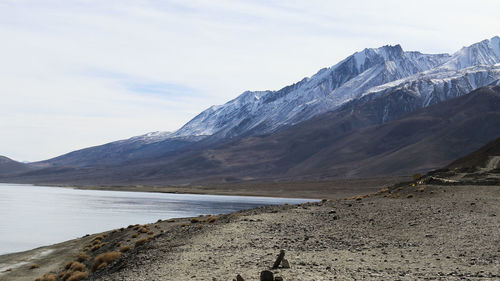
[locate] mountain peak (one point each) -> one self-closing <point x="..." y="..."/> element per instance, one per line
<point x="486" y="52"/>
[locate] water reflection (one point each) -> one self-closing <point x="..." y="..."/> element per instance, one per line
<point x="33" y="216"/>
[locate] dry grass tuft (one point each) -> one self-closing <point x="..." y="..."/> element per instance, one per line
<point x="159" y="221"/>
<point x="151" y="233"/>
<point x="48" y="277"/>
<point x="97" y="247"/>
<point x="124" y="249"/>
<point x="34" y="266"/>
<point x="143" y="230"/>
<point x="383" y="190"/>
<point x="196" y="220"/>
<point x="106" y="258"/>
<point x="171" y="220"/>
<point x="211" y="219"/>
<point x="99" y="238"/>
<point x="422" y="189"/>
<point x="409" y="196"/>
<point x="135" y="235"/>
<point x="77" y="276"/>
<point x="68" y="265"/>
<point x="81" y="257"/>
<point x="8" y="270"/>
<point x="77" y="266"/>
<point x="141" y="241"/>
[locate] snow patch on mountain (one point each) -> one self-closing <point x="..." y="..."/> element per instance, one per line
<point x="368" y="73"/>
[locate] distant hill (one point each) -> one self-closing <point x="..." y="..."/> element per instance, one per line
<point x="11" y="167"/>
<point x="348" y="142"/>
<point x="478" y="158"/>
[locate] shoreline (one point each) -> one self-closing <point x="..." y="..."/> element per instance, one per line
<point x="317" y="189"/>
<point x="349" y="241"/>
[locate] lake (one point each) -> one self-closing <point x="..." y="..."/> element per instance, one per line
<point x="34" y="216"/>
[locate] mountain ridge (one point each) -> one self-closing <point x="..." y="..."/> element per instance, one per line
<point x="386" y="82"/>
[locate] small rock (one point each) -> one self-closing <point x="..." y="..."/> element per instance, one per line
<point x="285" y="263"/>
<point x="266" y="275"/>
<point x="239" y="278"/>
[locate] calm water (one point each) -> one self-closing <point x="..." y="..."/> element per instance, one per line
<point x="34" y="216"/>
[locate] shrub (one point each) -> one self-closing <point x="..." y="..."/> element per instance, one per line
<point x="81" y="257"/>
<point x="171" y="220"/>
<point x="77" y="276"/>
<point x="141" y="241"/>
<point x="409" y="196"/>
<point x="77" y="266"/>
<point x="211" y="219"/>
<point x="99" y="238"/>
<point x="96" y="247"/>
<point x="195" y="220"/>
<point x="151" y="233"/>
<point x="68" y="265"/>
<point x="159" y="221"/>
<point x="64" y="275"/>
<point x="143" y="230"/>
<point x="135" y="235"/>
<point x="34" y="266"/>
<point x="48" y="277"/>
<point x="422" y="189"/>
<point x="124" y="249"/>
<point x="105" y="258"/>
<point x="416" y="176"/>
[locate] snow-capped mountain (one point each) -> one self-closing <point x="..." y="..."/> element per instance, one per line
<point x="265" y="111"/>
<point x="435" y="77"/>
<point x="400" y="81"/>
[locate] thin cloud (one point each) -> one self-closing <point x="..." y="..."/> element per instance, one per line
<point x="81" y="73"/>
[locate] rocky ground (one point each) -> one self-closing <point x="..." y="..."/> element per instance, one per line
<point x="423" y="232"/>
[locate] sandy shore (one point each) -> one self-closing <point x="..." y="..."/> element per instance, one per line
<point x="417" y="233"/>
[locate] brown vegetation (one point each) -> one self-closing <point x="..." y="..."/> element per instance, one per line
<point x="141" y="241"/>
<point x="47" y="277"/>
<point x="77" y="276"/>
<point x="124" y="249"/>
<point x="196" y="220"/>
<point x="77" y="266"/>
<point x="34" y="266"/>
<point x="81" y="257"/>
<point x="105" y="258"/>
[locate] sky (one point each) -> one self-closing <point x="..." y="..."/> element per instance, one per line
<point x="75" y="74"/>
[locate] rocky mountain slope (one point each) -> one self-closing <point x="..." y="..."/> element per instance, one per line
<point x="348" y="142"/>
<point x="381" y="73"/>
<point x="371" y="87"/>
